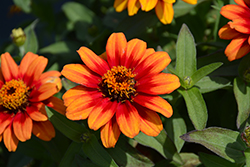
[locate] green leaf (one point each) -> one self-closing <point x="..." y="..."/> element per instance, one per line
<point x="244" y="68"/>
<point x="247" y="155"/>
<point x="211" y="161"/>
<point x="31" y="43"/>
<point x="70" y="129"/>
<point x="67" y="84"/>
<point x="185" y="53"/>
<point x="79" y="161"/>
<point x="62" y="47"/>
<point x="242" y="95"/>
<point x="162" y="143"/>
<point x="175" y="127"/>
<point x="196" y="107"/>
<point x="18" y="160"/>
<point x="224" y="142"/>
<point x="190" y="159"/>
<point x="202" y="72"/>
<point x="92" y="149"/>
<point x="209" y="84"/>
<point x="126" y="155"/>
<point x="25" y="5"/>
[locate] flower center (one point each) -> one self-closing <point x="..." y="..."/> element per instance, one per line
<point x="14" y="95"/>
<point x="118" y="84"/>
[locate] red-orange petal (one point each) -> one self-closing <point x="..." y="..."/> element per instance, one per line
<point x="43" y="130"/>
<point x="133" y="7"/>
<point x="152" y="65"/>
<point x="115" y="48"/>
<point x="10" y="140"/>
<point x="1" y="78"/>
<point x="161" y="83"/>
<point x="56" y="104"/>
<point x="147" y="53"/>
<point x="155" y="103"/>
<point x="242" y="2"/>
<point x="234" y="11"/>
<point x="241" y="25"/>
<point x="94" y="62"/>
<point x="43" y="92"/>
<point x="9" y="67"/>
<point x="151" y="123"/>
<point x="134" y="52"/>
<point x="80" y="108"/>
<point x="128" y="119"/>
<point x="26" y="61"/>
<point x="102" y="113"/>
<point x="81" y="74"/>
<point x="237" y="48"/>
<point x="34" y="71"/>
<point x="110" y="133"/>
<point x="5" y="120"/>
<point x="22" y="126"/>
<point x="35" y="114"/>
<point x="226" y="32"/>
<point x="147" y="5"/>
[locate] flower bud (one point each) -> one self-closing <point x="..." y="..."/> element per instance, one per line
<point x="245" y="135"/>
<point x="18" y="36"/>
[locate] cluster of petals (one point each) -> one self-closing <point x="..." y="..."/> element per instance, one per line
<point x="136" y="112"/>
<point x="237" y="30"/>
<point x="25" y="90"/>
<point x="163" y="8"/>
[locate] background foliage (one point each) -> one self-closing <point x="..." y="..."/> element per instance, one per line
<point x="211" y="108"/>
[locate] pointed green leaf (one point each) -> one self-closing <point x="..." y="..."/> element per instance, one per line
<point x="224" y="142"/>
<point x="162" y="143"/>
<point x="25" y="5"/>
<point x="247" y="155"/>
<point x="209" y="84"/>
<point x="98" y="155"/>
<point x="31" y="43"/>
<point x="185" y="53"/>
<point x="202" y="72"/>
<point x="242" y="95"/>
<point x="72" y="130"/>
<point x="196" y="107"/>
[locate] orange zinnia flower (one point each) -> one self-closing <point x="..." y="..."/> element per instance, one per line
<point x="119" y="94"/>
<point x="24" y="92"/>
<point x="237" y="30"/>
<point x="163" y="8"/>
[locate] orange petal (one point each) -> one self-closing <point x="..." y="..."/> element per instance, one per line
<point x="115" y="48"/>
<point x="22" y="126"/>
<point x="242" y="2"/>
<point x="128" y="119"/>
<point x="35" y="114"/>
<point x="237" y="48"/>
<point x="147" y="5"/>
<point x="147" y="53"/>
<point x="48" y="77"/>
<point x="158" y="84"/>
<point x="155" y="103"/>
<point x="26" y="61"/>
<point x="101" y="113"/>
<point x="151" y="123"/>
<point x="164" y="12"/>
<point x="56" y="104"/>
<point x="81" y="74"/>
<point x="226" y="32"/>
<point x="44" y="92"/>
<point x="10" y="140"/>
<point x="75" y="93"/>
<point x="80" y="108"/>
<point x="110" y="133"/>
<point x="134" y="52"/>
<point x="94" y="62"/>
<point x="120" y="5"/>
<point x="43" y="130"/>
<point x="5" y="120"/>
<point x="1" y="137"/>
<point x="241" y="25"/>
<point x="9" y="67"/>
<point x="133" y="7"/>
<point x="192" y="2"/>
<point x="234" y="11"/>
<point x="1" y="78"/>
<point x="34" y="71"/>
<point x="152" y="65"/>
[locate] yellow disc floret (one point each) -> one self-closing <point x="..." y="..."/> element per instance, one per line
<point x="14" y="95"/>
<point x="118" y="84"/>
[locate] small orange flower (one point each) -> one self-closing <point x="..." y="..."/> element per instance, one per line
<point x="163" y="8"/>
<point x="119" y="93"/>
<point x="24" y="92"/>
<point x="237" y="30"/>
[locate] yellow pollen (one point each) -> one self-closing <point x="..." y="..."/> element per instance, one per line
<point x="118" y="84"/>
<point x="14" y="95"/>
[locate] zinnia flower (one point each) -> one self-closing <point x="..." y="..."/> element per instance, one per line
<point x="237" y="30"/>
<point x="24" y="92"/>
<point x="163" y="8"/>
<point x="119" y="94"/>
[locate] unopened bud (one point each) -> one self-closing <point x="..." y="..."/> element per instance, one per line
<point x="18" y="36"/>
